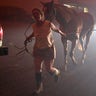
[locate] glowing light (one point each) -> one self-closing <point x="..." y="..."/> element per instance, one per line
<point x="85" y="9"/>
<point x="69" y="6"/>
<point x="1" y="36"/>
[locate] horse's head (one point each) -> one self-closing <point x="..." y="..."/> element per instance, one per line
<point x="48" y="9"/>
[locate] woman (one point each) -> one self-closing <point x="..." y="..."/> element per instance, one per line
<point x="44" y="49"/>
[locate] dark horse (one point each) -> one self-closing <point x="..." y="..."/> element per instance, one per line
<point x="76" y="26"/>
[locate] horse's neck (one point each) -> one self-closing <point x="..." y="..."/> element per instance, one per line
<point x="59" y="15"/>
<point x="60" y="19"/>
<point x="64" y="12"/>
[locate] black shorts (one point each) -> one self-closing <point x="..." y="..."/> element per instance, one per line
<point x="45" y="53"/>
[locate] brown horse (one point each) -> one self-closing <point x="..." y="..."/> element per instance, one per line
<point x="76" y="25"/>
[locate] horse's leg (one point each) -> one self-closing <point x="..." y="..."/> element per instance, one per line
<point x="64" y="42"/>
<point x="88" y="35"/>
<point x="72" y="51"/>
<point x="81" y="45"/>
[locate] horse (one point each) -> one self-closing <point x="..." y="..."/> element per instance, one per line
<point x="76" y="26"/>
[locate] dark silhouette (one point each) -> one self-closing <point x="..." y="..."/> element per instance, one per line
<point x="44" y="50"/>
<point x="76" y="26"/>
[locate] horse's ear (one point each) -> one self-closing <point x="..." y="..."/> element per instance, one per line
<point x="42" y="3"/>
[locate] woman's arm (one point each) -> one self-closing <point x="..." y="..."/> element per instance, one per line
<point x="28" y="39"/>
<point x="57" y="30"/>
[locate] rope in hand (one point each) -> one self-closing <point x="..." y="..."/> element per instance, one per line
<point x="24" y="48"/>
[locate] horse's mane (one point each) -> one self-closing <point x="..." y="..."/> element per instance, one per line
<point x="65" y="12"/>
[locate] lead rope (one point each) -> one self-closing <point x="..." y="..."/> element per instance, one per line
<point x="24" y="48"/>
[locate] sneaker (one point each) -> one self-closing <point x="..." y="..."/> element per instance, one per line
<point x="56" y="75"/>
<point x="38" y="91"/>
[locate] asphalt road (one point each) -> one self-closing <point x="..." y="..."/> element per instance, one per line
<point x="17" y="72"/>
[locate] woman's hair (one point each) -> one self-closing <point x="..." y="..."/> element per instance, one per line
<point x="35" y="10"/>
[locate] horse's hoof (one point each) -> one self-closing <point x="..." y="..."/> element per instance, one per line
<point x="83" y="61"/>
<point x="65" y="68"/>
<point x="75" y="63"/>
